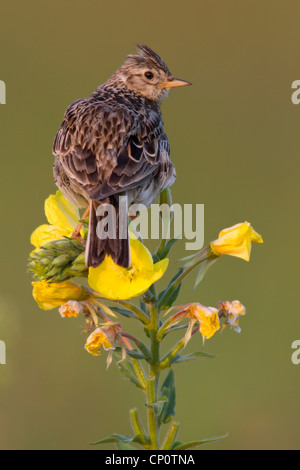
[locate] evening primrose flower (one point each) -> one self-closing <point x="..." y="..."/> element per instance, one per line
<point x="116" y="283"/>
<point x="231" y="311"/>
<point x="206" y="317"/>
<point x="70" y="309"/>
<point x="236" y="241"/>
<point x="106" y="336"/>
<point x="51" y="295"/>
<point x="63" y="218"/>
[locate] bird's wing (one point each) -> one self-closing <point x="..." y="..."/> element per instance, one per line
<point x="104" y="150"/>
<point x="136" y="163"/>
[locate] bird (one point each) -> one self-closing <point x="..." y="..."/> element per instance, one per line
<point x="113" y="144"/>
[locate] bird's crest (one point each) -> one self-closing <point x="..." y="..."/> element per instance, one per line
<point x="147" y="56"/>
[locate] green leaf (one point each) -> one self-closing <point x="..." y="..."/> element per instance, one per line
<point x="168" y="394"/>
<point x="127" y="371"/>
<point x="155" y="258"/>
<point x="192" y="356"/>
<point x="147" y="332"/>
<point x="119" y="439"/>
<point x="158" y="406"/>
<point x="123" y="311"/>
<point x="113" y="438"/>
<point x="178" y="327"/>
<point x="168" y="296"/>
<point x="135" y="354"/>
<point x="204" y="268"/>
<point x="171" y="298"/>
<point x="189" y="445"/>
<point x="123" y="446"/>
<point x="167" y="248"/>
<point x="179" y="272"/>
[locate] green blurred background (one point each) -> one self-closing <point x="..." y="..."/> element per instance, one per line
<point x="235" y="142"/>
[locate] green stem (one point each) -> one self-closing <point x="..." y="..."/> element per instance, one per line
<point x="152" y="418"/>
<point x="152" y="389"/>
<point x="206" y="254"/>
<point x="138" y="312"/>
<point x="168" y="358"/>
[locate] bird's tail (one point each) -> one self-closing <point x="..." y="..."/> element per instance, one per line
<point x="108" y="233"/>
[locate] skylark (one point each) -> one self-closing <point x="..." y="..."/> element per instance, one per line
<point x="113" y="144"/>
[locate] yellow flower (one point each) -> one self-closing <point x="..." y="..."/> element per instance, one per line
<point x="63" y="218"/>
<point x="106" y="336"/>
<point x="207" y="318"/>
<point x="70" y="309"/>
<point x="51" y="295"/>
<point x="236" y="241"/>
<point x="102" y="337"/>
<point x="231" y="311"/>
<point x="116" y="283"/>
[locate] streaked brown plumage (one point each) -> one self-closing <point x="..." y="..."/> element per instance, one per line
<point x="113" y="143"/>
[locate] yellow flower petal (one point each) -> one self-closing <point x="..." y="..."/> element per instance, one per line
<point x="47" y="233"/>
<point x="208" y="319"/>
<point x="94" y="342"/>
<point x="160" y="269"/>
<point x="61" y="212"/>
<point x="236" y="241"/>
<point x="51" y="295"/>
<point x="116" y="283"/>
<point x="141" y="257"/>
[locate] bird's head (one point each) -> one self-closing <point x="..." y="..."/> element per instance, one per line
<point x="148" y="75"/>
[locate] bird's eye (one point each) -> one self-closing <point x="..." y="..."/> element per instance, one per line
<point x="149" y="75"/>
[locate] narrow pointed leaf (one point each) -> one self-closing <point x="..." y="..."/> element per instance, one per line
<point x="204" y="267"/>
<point x="192" y="356"/>
<point x="135" y="354"/>
<point x="189" y="445"/>
<point x="123" y="311"/>
<point x="167" y="248"/>
<point x="123" y="446"/>
<point x="168" y="392"/>
<point x="113" y="438"/>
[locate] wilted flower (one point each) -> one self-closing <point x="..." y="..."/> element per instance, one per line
<point x="63" y="218"/>
<point x="106" y="336"/>
<point x="51" y="295"/>
<point x="116" y="283"/>
<point x="207" y="318"/>
<point x="70" y="309"/>
<point x="231" y="311"/>
<point x="236" y="241"/>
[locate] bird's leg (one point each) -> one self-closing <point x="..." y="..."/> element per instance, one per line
<point x="76" y="233"/>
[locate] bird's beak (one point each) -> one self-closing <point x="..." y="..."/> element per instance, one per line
<point x="172" y="82"/>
